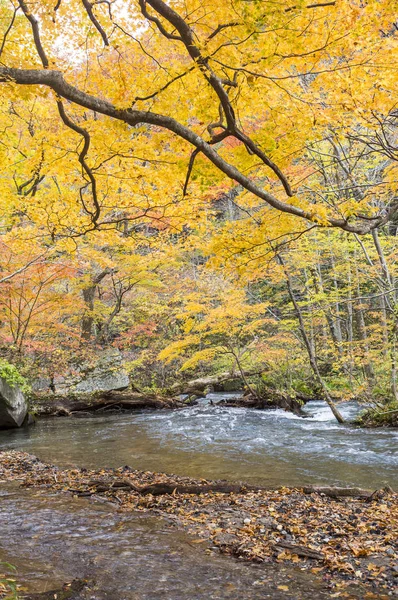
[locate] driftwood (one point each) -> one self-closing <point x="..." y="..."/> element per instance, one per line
<point x="269" y="398"/>
<point x="59" y="405"/>
<point x="338" y="492"/>
<point x="160" y="489"/>
<point x="300" y="550"/>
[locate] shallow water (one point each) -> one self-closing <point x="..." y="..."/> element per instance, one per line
<point x="52" y="539"/>
<point x="268" y="447"/>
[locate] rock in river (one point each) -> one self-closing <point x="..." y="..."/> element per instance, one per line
<point x="13" y="406"/>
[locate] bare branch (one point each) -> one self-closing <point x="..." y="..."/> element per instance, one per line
<point x="82" y="160"/>
<point x="22" y="269"/>
<point x="89" y="9"/>
<point x="36" y="33"/>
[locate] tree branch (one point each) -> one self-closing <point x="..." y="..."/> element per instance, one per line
<point x="82" y="160"/>
<point x="89" y="9"/>
<point x="317" y="5"/>
<point x="22" y="269"/>
<point x="163" y="31"/>
<point x="190" y="167"/>
<point x="218" y="85"/>
<point x="10" y="26"/>
<point x="36" y="33"/>
<point x="220" y="28"/>
<point x="56" y="81"/>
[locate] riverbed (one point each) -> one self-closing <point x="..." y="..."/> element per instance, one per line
<point x="130" y="556"/>
<point x="53" y="538"/>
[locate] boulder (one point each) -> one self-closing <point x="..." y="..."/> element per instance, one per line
<point x="107" y="375"/>
<point x="13" y="406"/>
<point x="104" y="373"/>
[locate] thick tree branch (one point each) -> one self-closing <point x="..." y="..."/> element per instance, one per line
<point x="218" y="85"/>
<point x="56" y="81"/>
<point x="187" y="38"/>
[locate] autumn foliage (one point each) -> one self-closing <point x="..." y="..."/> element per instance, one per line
<point x="206" y="186"/>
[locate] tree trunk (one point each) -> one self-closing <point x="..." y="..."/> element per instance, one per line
<point x="362" y="331"/>
<point x="311" y="355"/>
<point x="89" y="296"/>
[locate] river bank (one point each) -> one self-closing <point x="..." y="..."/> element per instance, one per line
<point x="347" y="540"/>
<point x="379" y="416"/>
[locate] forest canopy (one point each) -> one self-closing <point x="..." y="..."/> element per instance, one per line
<point x="183" y="97"/>
<point x="204" y="185"/>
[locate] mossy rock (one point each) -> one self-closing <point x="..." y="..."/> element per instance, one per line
<point x="386" y="416"/>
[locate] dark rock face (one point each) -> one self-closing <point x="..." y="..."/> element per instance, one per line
<point x="13" y="406"/>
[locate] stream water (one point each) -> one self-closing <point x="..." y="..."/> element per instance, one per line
<point x="52" y="539"/>
<point x="268" y="447"/>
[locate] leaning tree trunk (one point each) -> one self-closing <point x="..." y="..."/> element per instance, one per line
<point x="311" y="355"/>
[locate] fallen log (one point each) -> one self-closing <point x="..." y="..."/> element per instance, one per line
<point x="60" y="405"/>
<point x="160" y="489"/>
<point x="338" y="492"/>
<point x="268" y="399"/>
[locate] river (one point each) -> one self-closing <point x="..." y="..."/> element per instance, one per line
<point x="268" y="447"/>
<point x="52" y="538"/>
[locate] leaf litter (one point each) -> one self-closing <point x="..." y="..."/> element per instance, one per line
<point x="346" y="541"/>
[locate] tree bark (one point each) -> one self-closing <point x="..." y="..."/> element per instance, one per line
<point x="89" y="296"/>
